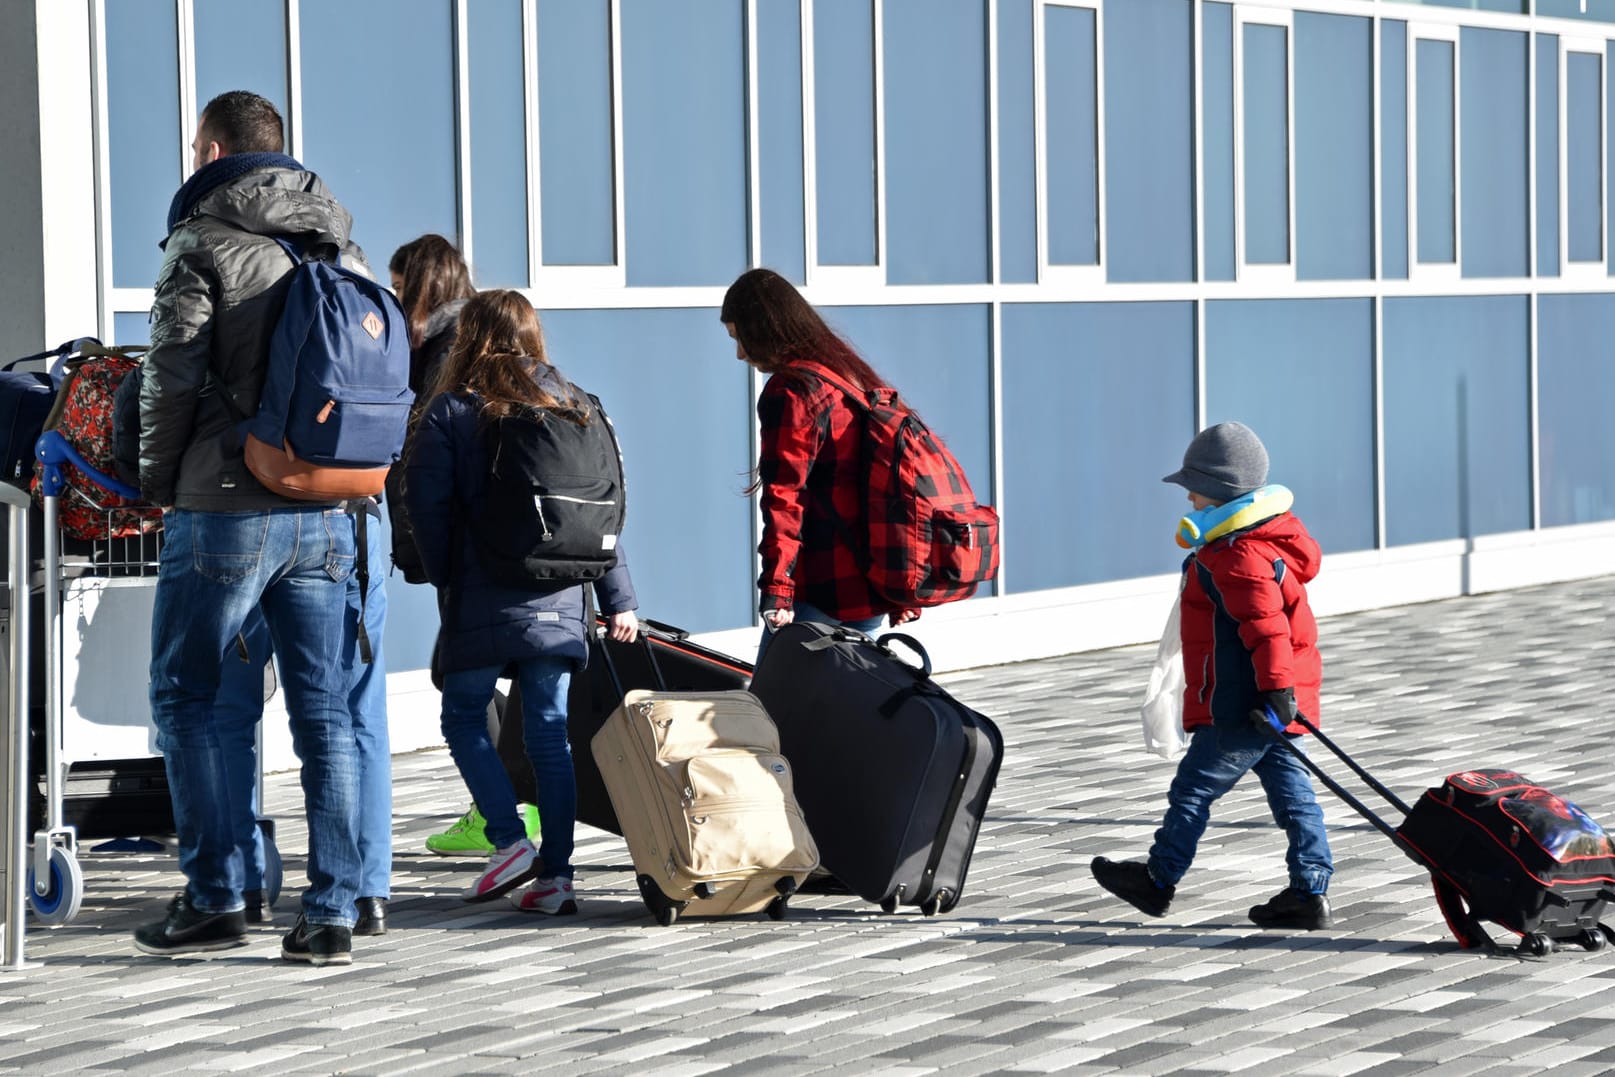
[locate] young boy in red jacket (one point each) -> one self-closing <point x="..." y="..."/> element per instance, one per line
<point x="1249" y="646"/>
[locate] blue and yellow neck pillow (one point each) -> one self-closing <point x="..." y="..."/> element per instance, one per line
<point x="1215" y="521"/>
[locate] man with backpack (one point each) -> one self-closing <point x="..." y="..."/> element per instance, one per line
<point x="237" y="231"/>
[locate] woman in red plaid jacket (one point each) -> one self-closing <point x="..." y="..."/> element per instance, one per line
<point x="810" y="463"/>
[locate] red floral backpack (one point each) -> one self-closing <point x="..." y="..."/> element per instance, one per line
<point x="89" y="509"/>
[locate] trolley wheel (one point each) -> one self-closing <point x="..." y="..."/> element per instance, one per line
<point x="777" y="908"/>
<point x="931" y="905"/>
<point x="1592" y="939"/>
<point x="274" y="871"/>
<point x="1608" y="932"/>
<point x="60" y="901"/>
<point x="663" y="908"/>
<point x="1537" y="944"/>
<point x="889" y="906"/>
<point x="704" y="890"/>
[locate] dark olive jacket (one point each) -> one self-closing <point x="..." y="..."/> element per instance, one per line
<point x="220" y="291"/>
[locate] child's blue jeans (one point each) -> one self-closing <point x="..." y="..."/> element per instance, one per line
<point x="1214" y="762"/>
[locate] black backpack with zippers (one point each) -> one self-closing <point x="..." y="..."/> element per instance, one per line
<point x="553" y="508"/>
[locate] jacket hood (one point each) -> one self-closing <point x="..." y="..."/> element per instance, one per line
<point x="281" y="202"/>
<point x="443" y="318"/>
<point x="1294" y="542"/>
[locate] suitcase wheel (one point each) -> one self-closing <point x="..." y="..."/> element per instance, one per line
<point x="663" y="908"/>
<point x="786" y="885"/>
<point x="1536" y="944"/>
<point x="55" y="898"/>
<point x="704" y="890"/>
<point x="932" y="905"/>
<point x="1608" y="932"/>
<point x="889" y="905"/>
<point x="1593" y="938"/>
<point x="777" y="908"/>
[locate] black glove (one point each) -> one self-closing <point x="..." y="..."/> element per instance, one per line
<point x="1281" y="701"/>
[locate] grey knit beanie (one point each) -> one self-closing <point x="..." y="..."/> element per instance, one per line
<point x="1223" y="462"/>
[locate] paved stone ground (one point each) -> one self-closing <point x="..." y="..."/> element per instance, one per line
<point x="1036" y="971"/>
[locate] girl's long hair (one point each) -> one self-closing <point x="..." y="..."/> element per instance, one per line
<point x="778" y="329"/>
<point x="499" y="346"/>
<point x="432" y="273"/>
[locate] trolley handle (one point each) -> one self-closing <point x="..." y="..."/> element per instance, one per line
<point x="54" y="450"/>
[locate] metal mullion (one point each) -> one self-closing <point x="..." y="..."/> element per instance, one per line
<point x="1244" y="271"/>
<point x="810" y="150"/>
<point x="185" y="48"/>
<point x="535" y="207"/>
<point x="754" y="184"/>
<point x="994" y="180"/>
<point x="102" y="158"/>
<point x="878" y="50"/>
<point x="462" y="126"/>
<point x="619" y="215"/>
<point x="294" y="77"/>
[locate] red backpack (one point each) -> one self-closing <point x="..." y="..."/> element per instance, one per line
<point x="89" y="509"/>
<point x="927" y="540"/>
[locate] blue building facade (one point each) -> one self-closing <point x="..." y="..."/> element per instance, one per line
<point x="1072" y="231"/>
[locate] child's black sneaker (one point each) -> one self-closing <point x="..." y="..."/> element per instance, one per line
<point x="189" y="930"/>
<point x="1130" y="880"/>
<point x="318" y="944"/>
<point x="1295" y="910"/>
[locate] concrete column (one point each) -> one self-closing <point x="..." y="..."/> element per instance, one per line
<point x="49" y="284"/>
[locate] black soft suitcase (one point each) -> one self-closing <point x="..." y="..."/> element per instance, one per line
<point x="1500" y="848"/>
<point x="892" y="773"/>
<point x="662" y="659"/>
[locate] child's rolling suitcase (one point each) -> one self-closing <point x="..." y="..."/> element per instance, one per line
<point x="892" y="772"/>
<point x="1499" y="848"/>
<point x="705" y="799"/>
<point x="663" y="658"/>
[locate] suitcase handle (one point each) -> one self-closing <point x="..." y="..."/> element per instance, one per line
<point x="885" y="642"/>
<point x="644" y="637"/>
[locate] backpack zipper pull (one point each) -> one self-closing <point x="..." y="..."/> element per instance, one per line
<point x="325" y="412"/>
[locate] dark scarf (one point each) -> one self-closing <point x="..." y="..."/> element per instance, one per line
<point x="211" y="176"/>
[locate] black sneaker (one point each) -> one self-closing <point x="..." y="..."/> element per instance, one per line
<point x="1130" y="880"/>
<point x="318" y="944"/>
<point x="188" y="930"/>
<point x="1295" y="910"/>
<point x="257" y="910"/>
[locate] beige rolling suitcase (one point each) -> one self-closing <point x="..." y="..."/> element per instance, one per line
<point x="705" y="802"/>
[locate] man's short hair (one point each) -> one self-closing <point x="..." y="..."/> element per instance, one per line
<point x="242" y="122"/>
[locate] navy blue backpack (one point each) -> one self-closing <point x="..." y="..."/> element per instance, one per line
<point x="336" y="394"/>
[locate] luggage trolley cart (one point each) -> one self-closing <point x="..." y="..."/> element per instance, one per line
<point x="97" y="730"/>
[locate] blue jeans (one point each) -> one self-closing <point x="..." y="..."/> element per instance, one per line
<point x="1215" y="760"/>
<point x="544" y="683"/>
<point x="239" y="707"/>
<point x="294" y="564"/>
<point x="806" y="611"/>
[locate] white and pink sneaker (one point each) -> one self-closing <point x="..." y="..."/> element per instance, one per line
<point x="507" y="869"/>
<point x="553" y="897"/>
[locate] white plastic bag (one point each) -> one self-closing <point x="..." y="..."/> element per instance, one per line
<point x="1163" y="698"/>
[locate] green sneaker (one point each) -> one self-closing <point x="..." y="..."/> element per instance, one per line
<point x="466" y="836"/>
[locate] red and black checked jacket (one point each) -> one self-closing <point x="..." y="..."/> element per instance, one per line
<point x="810" y="464"/>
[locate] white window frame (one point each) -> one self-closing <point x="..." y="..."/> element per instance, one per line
<point x="1421" y="271"/>
<point x="852" y="280"/>
<point x="1245" y="271"/>
<point x="1588" y="271"/>
<point x="557" y="282"/>
<point x="1057" y="273"/>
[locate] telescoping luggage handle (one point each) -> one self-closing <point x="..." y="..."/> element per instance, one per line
<point x="1276" y="729"/>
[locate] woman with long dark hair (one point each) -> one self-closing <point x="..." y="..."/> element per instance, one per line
<point x="809" y="461"/>
<point x="498" y="367"/>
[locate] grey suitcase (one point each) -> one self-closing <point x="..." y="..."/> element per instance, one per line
<point x="892" y="772"/>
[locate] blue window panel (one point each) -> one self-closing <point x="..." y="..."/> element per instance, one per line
<point x="131" y="327"/>
<point x="1267" y="144"/>
<point x="1300" y="372"/>
<point x="936" y="143"/>
<point x="240" y="45"/>
<point x="1149" y="151"/>
<point x="397" y="188"/>
<point x="1547" y="155"/>
<point x="689" y="527"/>
<point x="577" y="168"/>
<point x="1591" y="10"/>
<point x="1457" y="439"/>
<point x="844" y="130"/>
<point x="498" y="144"/>
<point x="779" y="151"/>
<point x="1393" y="150"/>
<point x="1434" y="161"/>
<point x="143" y="134"/>
<point x="1575" y="383"/>
<point x="1584" y="144"/>
<point x="1497" y="204"/>
<point x="1516" y="7"/>
<point x="1334" y="143"/>
<point x="1098" y="404"/>
<point x="1071" y="96"/>
<point x="684" y="148"/>
<point x="1217" y="144"/>
<point x="1017" y="147"/>
<point x="938" y="358"/>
